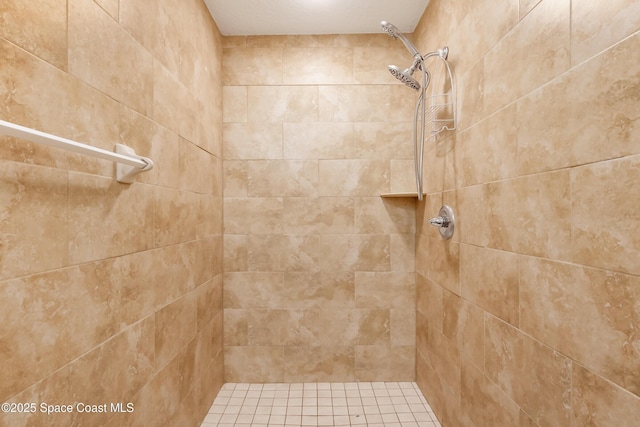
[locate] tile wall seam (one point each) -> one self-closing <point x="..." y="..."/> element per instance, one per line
<point x="76" y="359"/>
<point x="520" y="331"/>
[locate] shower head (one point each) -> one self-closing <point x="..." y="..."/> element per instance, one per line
<point x="391" y="29"/>
<point x="404" y="76"/>
<point x="394" y="32"/>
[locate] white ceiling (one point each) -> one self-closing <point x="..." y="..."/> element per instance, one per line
<point x="274" y="17"/>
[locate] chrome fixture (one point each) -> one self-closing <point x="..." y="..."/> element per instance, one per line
<point x="405" y="76"/>
<point x="445" y="222"/>
<point x="440" y="109"/>
<point x="394" y="32"/>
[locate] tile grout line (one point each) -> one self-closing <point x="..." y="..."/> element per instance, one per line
<point x="320" y="404"/>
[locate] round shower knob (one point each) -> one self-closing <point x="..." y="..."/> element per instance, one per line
<point x="445" y="222"/>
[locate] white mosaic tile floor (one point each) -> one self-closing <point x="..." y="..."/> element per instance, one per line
<point x="389" y="404"/>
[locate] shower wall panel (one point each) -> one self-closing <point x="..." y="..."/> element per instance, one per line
<point x="319" y="281"/>
<point x="529" y="315"/>
<point x="111" y="293"/>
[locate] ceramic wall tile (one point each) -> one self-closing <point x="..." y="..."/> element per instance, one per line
<point x="35" y="225"/>
<point x="110" y="6"/>
<point x="532" y="144"/>
<point x="163" y="390"/>
<point x="236" y="327"/>
<point x="168" y="92"/>
<point x="489" y="149"/>
<point x="153" y="141"/>
<point x="490" y="280"/>
<point x="321" y="65"/>
<point x="595" y="102"/>
<point x="403" y="177"/>
<point x="355" y="103"/>
<point x="387" y="140"/>
<point x="429" y="302"/>
<point x="255" y="215"/>
<point x="445" y="261"/>
<point x="98" y="314"/>
<point x="303" y="40"/>
<point x="73" y="316"/>
<point x="34" y="84"/>
<point x="599" y="189"/>
<point x="488" y="28"/>
<point x="152" y="279"/>
<point x="140" y="19"/>
<point x="563" y="303"/>
<point x="252" y="141"/>
<point x="198" y="169"/>
<point x="176" y="325"/>
<point x="46" y="37"/>
<point x="384" y="215"/>
<point x="537" y="377"/>
<point x="401" y="102"/>
<point x="445" y="355"/>
<point x="288" y="178"/>
<point x="507" y="77"/>
<point x="526" y="6"/>
<point x="328" y="289"/>
<point x="385" y="290"/>
<point x="403" y="254"/>
<point x="538" y="197"/>
<point x="235" y="178"/>
<point x="598" y="402"/>
<point x="370" y="63"/>
<point x="98" y="52"/>
<point x="595" y="27"/>
<point x="252" y="66"/>
<point x="471" y="214"/>
<point x="353" y="40"/>
<point x="403" y="327"/>
<point x="382" y="363"/>
<point x="114" y="371"/>
<point x="209" y="295"/>
<point x="252" y="290"/>
<point x="472" y="105"/>
<point x="463" y="323"/>
<point x="318" y="252"/>
<point x="313" y="364"/>
<point x="277" y="104"/>
<point x="321" y="140"/>
<point x="319" y="215"/>
<point x="234" y="104"/>
<point x="271" y="327"/>
<point x="98" y="207"/>
<point x="229" y="42"/>
<point x="486" y="404"/>
<point x="311" y="139"/>
<point x="254" y="364"/>
<point x="174" y="217"/>
<point x="353" y="177"/>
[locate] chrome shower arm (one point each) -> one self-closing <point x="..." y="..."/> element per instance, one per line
<point x="410" y="46"/>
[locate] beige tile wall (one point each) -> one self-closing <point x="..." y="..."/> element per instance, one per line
<point x="111" y="292"/>
<point x="529" y="315"/>
<point x="319" y="270"/>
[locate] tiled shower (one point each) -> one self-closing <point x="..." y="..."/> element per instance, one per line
<point x="318" y="268"/>
<point x="259" y="250"/>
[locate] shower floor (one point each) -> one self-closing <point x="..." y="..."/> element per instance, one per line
<point x="389" y="404"/>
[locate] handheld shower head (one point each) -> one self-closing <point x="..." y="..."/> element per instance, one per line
<point x="405" y="77"/>
<point x="391" y="29"/>
<point x="394" y="32"/>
